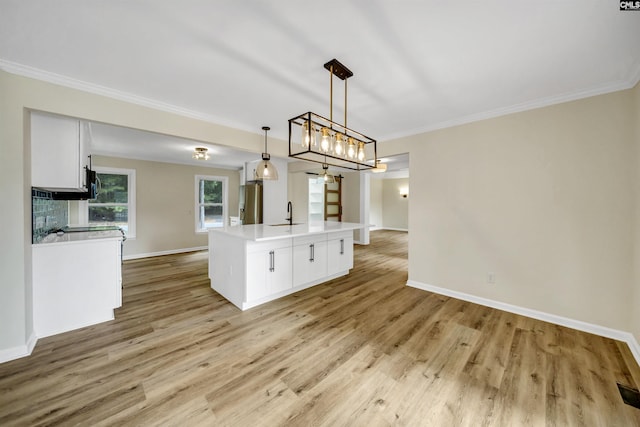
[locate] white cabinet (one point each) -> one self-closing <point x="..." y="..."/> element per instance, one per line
<point x="268" y="268"/>
<point x="59" y="151"/>
<point x="75" y="284"/>
<point x="252" y="264"/>
<point x="309" y="259"/>
<point x="340" y="252"/>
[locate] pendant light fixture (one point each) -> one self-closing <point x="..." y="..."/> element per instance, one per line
<point x="324" y="141"/>
<point x="265" y="169"/>
<point x="326" y="177"/>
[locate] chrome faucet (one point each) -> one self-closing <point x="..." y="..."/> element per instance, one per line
<point x="290" y="212"/>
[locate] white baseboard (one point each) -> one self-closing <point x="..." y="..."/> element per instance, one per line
<point x="31" y="342"/>
<point x="19" y="351"/>
<point x="579" y="325"/>
<point x="393" y="229"/>
<point x="634" y="347"/>
<point x="169" y="252"/>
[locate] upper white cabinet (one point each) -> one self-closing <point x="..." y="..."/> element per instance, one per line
<point x="59" y="151"/>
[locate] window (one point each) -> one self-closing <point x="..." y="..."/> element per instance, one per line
<point x="115" y="203"/>
<point x="211" y="202"/>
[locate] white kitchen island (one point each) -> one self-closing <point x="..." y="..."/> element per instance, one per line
<point x="252" y="264"/>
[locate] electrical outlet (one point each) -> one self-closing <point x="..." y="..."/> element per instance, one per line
<point x="491" y="278"/>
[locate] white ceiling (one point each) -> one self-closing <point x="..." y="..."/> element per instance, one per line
<point x="117" y="141"/>
<point x="418" y="65"/>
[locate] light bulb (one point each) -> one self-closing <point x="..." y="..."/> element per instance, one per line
<point x="325" y="142"/>
<point x="351" y="148"/>
<point x="314" y="137"/>
<point x="361" y="156"/>
<point x="306" y="139"/>
<point x="338" y="147"/>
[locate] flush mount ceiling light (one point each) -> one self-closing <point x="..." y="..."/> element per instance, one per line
<point x="322" y="140"/>
<point x="380" y="167"/>
<point x="265" y="169"/>
<point x="200" y="153"/>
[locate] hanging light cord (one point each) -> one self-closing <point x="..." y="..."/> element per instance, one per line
<point x="331" y="94"/>
<point x="265" y="129"/>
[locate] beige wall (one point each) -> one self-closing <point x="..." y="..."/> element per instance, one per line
<point x="375" y="203"/>
<point x="351" y="200"/>
<point x="15" y="210"/>
<point x="17" y="94"/>
<point x="165" y="201"/>
<point x="395" y="208"/>
<point x="543" y="199"/>
<point x="298" y="183"/>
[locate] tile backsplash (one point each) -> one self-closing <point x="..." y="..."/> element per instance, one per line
<point x="46" y="214"/>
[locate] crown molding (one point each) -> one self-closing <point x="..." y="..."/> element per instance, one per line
<point x="630" y="82"/>
<point x="61" y="80"/>
<point x="58" y="79"/>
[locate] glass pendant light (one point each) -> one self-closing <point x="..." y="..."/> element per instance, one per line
<point x="326" y="177"/>
<point x="338" y="147"/>
<point x="315" y="137"/>
<point x="308" y="138"/>
<point x="325" y="142"/>
<point x="351" y="148"/>
<point x="361" y="156"/>
<point x="265" y="169"/>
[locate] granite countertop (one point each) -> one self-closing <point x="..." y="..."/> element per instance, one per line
<point x="262" y="232"/>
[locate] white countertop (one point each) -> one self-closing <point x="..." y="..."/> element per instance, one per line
<point x="262" y="232"/>
<point x="80" y="237"/>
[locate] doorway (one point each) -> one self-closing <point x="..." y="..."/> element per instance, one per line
<point x="333" y="200"/>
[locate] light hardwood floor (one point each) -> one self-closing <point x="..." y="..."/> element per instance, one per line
<point x="364" y="350"/>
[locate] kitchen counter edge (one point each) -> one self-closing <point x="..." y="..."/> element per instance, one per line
<point x="70" y="238"/>
<point x="264" y="232"/>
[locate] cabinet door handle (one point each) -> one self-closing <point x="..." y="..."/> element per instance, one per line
<point x="341" y="246"/>
<point x="272" y="261"/>
<point x="312" y="252"/>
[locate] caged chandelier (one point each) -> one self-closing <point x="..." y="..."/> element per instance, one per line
<point x="318" y="139"/>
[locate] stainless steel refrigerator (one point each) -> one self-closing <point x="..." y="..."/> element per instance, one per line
<point x="251" y="203"/>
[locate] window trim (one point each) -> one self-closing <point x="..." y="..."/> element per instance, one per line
<point x="225" y="200"/>
<point x="131" y="193"/>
